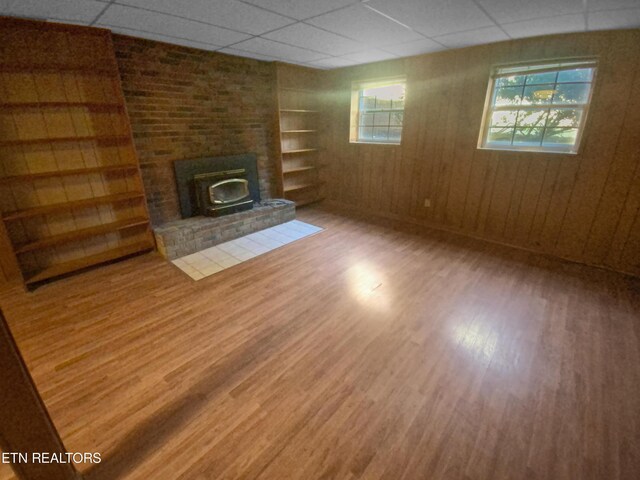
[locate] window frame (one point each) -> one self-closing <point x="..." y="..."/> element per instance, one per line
<point x="534" y="67"/>
<point x="354" y="122"/>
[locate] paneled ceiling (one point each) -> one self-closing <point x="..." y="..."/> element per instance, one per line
<point x="333" y="33"/>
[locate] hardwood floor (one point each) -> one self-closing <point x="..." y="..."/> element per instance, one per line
<point x="371" y="350"/>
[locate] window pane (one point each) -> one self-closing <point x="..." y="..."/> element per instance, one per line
<point x="510" y="81"/>
<point x="365" y="133"/>
<point x="560" y="136"/>
<point x="379" y="107"/>
<point x="572" y="93"/>
<point x="508" y="96"/>
<point x="538" y="94"/>
<point x="564" y="117"/>
<point x="395" y="134"/>
<point x="527" y="136"/>
<point x="500" y="136"/>
<point x="367" y="103"/>
<point x="537" y="78"/>
<point x="366" y="119"/>
<point x="380" y="133"/>
<point x="396" y="118"/>
<point x="577" y="75"/>
<point x="503" y="118"/>
<point x="528" y="106"/>
<point x="381" y="119"/>
<point x="532" y="118"/>
<point x="383" y="103"/>
<point x="397" y="103"/>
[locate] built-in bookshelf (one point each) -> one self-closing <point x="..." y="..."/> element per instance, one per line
<point x="71" y="191"/>
<point x="298" y="126"/>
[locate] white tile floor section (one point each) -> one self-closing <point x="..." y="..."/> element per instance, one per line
<point x="215" y="259"/>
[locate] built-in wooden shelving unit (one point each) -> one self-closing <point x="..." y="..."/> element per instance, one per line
<point x="298" y="129"/>
<point x="71" y="191"/>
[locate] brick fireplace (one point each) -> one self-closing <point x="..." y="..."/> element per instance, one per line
<point x="219" y="105"/>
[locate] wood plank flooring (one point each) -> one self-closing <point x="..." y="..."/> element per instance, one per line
<point x="372" y="350"/>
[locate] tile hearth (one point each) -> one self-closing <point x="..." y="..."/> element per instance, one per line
<point x="220" y="257"/>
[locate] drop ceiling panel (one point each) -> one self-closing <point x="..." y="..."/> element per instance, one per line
<point x="290" y="53"/>
<point x="333" y="62"/>
<point x="434" y="17"/>
<point x="628" y="18"/>
<point x="231" y="14"/>
<point x="543" y="26"/>
<point x="241" y="53"/>
<point x="414" y="48"/>
<point x="312" y="38"/>
<point x="82" y="11"/>
<point x="364" y="25"/>
<point x="473" y="37"/>
<point x="504" y="11"/>
<point x="333" y="33"/>
<point x="152" y="22"/>
<point x="368" y="56"/>
<point x="302" y="9"/>
<point x="595" y="5"/>
<point x="164" y="38"/>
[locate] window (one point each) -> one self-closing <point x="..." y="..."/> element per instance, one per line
<point x="377" y="111"/>
<point x="538" y="107"/>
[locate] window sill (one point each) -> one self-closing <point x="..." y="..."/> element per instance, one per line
<point x="529" y="150"/>
<point x="359" y="142"/>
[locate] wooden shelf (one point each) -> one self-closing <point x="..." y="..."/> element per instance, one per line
<point x="300" y="150"/>
<point x="302" y="186"/>
<point x="80" y="263"/>
<point x="298" y="169"/>
<point x="90" y="105"/>
<point x="58" y="207"/>
<point x="66" y="173"/>
<point x="83" y="233"/>
<point x="298" y="131"/>
<point x="41" y="162"/>
<point x="293" y="110"/>
<point x="98" y="138"/>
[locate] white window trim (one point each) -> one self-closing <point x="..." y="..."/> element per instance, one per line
<point x="530" y="67"/>
<point x="356" y="86"/>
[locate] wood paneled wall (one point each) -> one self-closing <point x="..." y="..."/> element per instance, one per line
<point x="581" y="207"/>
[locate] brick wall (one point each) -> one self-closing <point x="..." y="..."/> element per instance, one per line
<point x="187" y="103"/>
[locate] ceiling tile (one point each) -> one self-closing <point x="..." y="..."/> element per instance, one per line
<point x="628" y="18"/>
<point x="365" y="25"/>
<point x="163" y="38"/>
<point x="368" y="56"/>
<point x="307" y="36"/>
<point x="435" y="17"/>
<point x="240" y="53"/>
<point x="224" y="13"/>
<point x="276" y="49"/>
<point x="301" y="9"/>
<point x="143" y="20"/>
<point x="334" y="62"/>
<point x="506" y="11"/>
<point x="414" y="48"/>
<point x="78" y="11"/>
<point x="595" y="5"/>
<point x="472" y="37"/>
<point x="544" y="26"/>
